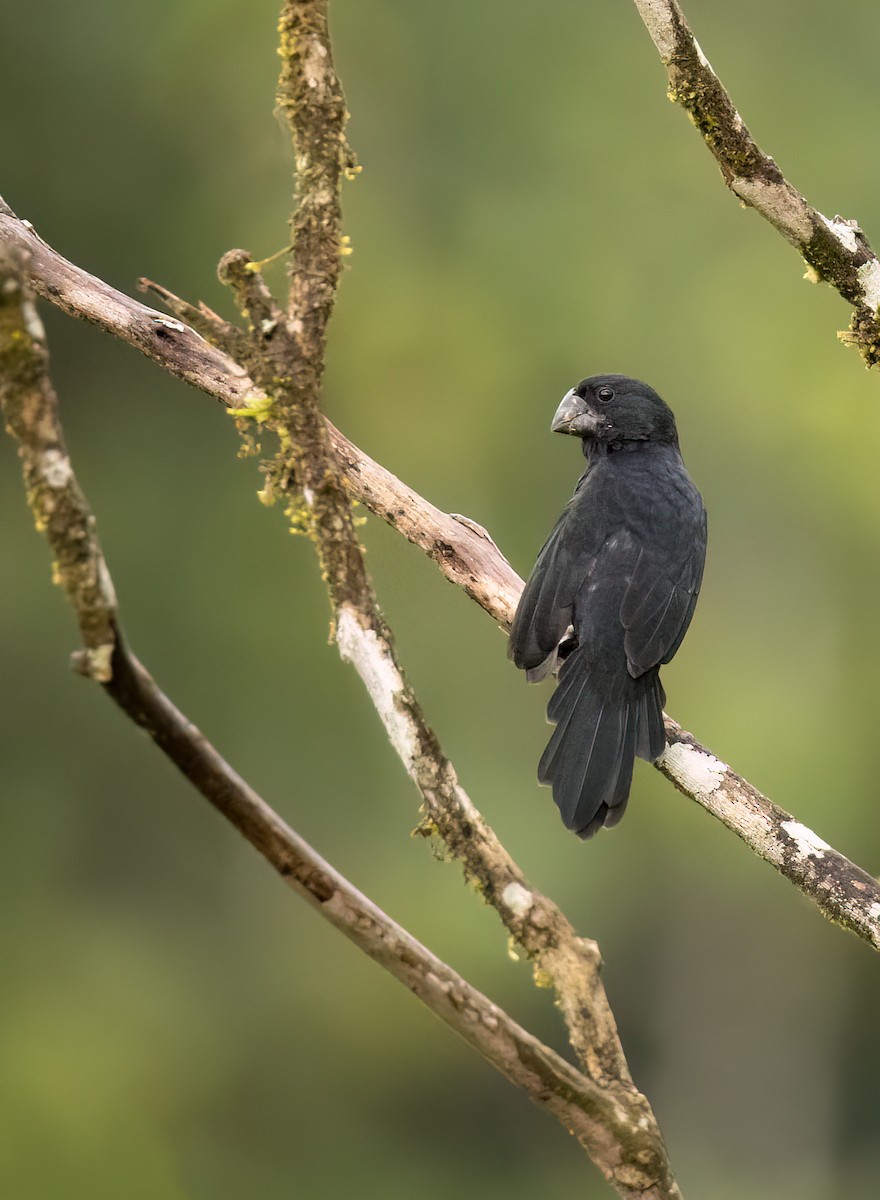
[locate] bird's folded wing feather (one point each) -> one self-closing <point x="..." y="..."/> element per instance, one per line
<point x="545" y="608"/>
<point x="659" y="602"/>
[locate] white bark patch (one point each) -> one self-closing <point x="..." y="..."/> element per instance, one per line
<point x="313" y="67"/>
<point x="465" y="804"/>
<point x="170" y="323"/>
<point x="32" y="322"/>
<point x="844" y="232"/>
<point x="701" y="56"/>
<point x="98" y="659"/>
<point x="105" y="583"/>
<point x="517" y="898"/>
<point x="809" y="844"/>
<point x="874" y="912"/>
<point x="57" y="470"/>
<point x="370" y="657"/>
<point x="699" y="773"/>
<point x="869" y="278"/>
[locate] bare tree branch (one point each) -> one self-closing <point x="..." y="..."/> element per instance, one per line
<point x="287" y="361"/>
<point x="835" y="251"/>
<point x="602" y="1124"/>
<point x="170" y="343"/>
<point x="470" y="562"/>
<point x="844" y="892"/>
<point x="203" y="320"/>
<point x="273" y="372"/>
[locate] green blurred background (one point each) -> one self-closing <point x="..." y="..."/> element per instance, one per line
<point x="174" y="1022"/>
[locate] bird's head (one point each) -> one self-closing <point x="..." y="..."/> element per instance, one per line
<point x="614" y="409"/>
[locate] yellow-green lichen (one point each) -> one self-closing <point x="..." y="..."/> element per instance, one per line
<point x="254" y="267"/>
<point x="260" y="409"/>
<point x="541" y="978"/>
<point x="301" y="519"/>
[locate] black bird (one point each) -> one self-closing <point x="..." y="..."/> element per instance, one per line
<point x="611" y="596"/>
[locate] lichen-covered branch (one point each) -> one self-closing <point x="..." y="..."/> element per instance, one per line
<point x="844" y="892"/>
<point x="466" y="559"/>
<point x="606" y="1114"/>
<point x="311" y="100"/>
<point x="835" y="250"/>
<point x="59" y="508"/>
<point x="169" y="342"/>
<point x="586" y="1109"/>
<point x="286" y="358"/>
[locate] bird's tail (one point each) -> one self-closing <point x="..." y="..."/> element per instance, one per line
<point x="589" y="758"/>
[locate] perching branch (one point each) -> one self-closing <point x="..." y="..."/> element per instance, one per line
<point x="835" y="251"/>
<point x="273" y="373"/>
<point x="610" y="1118"/>
<point x="587" y="1110"/>
<point x="467" y="559"/>
<point x="286" y="356"/>
<point x="843" y="891"/>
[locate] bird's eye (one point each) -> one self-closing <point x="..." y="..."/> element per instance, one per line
<point x="605" y="394"/>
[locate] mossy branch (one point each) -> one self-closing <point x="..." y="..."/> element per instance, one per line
<point x="286" y="357"/>
<point x="58" y="506"/>
<point x="591" y="1112"/>
<point x="835" y="251"/>
<point x="469" y="561"/>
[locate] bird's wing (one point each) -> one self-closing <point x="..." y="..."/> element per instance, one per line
<point x="659" y="601"/>
<point x="545" y="609"/>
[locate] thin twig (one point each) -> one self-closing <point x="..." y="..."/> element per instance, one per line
<point x="211" y="326"/>
<point x="590" y="1112"/>
<point x="467" y="560"/>
<point x="836" y="251"/>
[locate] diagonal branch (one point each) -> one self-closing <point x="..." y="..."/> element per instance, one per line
<point x="468" y="560"/>
<point x="287" y="360"/>
<point x="273" y="371"/>
<point x="844" y="892"/>
<point x="835" y="251"/>
<point x="169" y="342"/>
<point x="587" y="1110"/>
